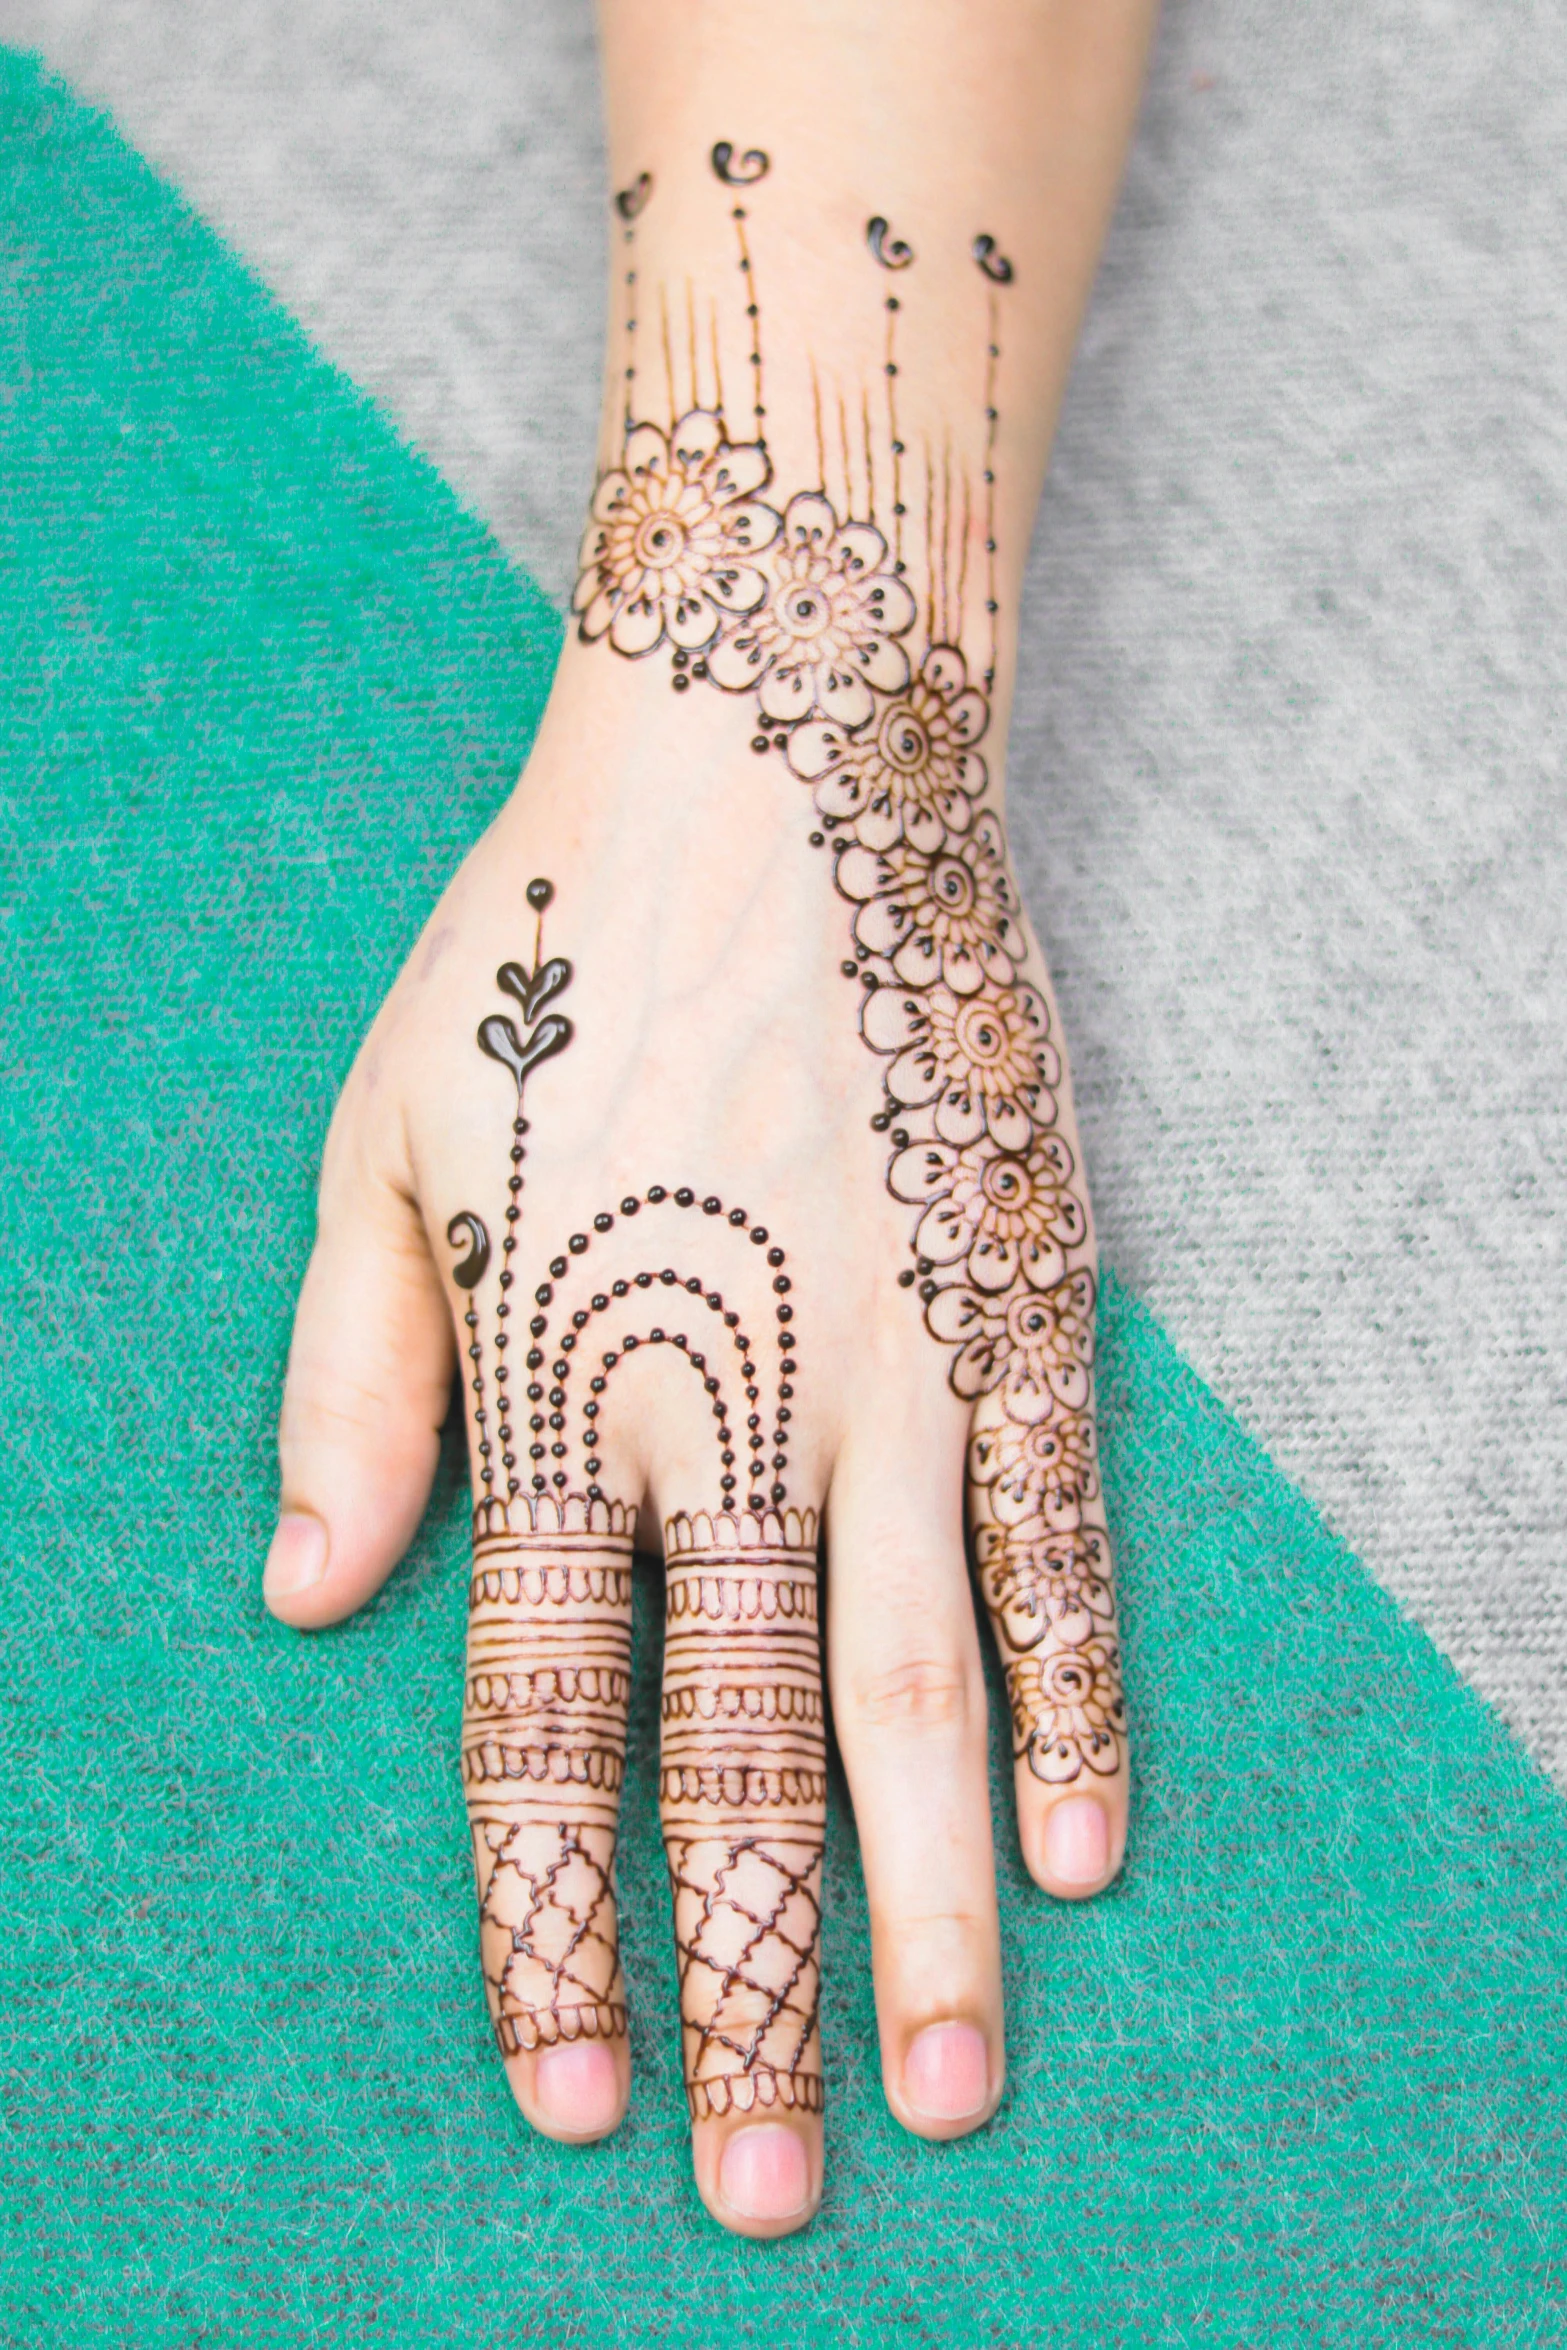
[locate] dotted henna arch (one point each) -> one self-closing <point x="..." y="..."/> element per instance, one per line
<point x="711" y="1298"/>
<point x="712" y="1302"/>
<point x="632" y="1343"/>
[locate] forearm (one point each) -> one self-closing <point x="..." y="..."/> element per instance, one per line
<point x="911" y="375"/>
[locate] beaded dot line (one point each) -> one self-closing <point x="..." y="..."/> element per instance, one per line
<point x="754" y="314"/>
<point x="992" y="419"/>
<point x="711" y="1298"/>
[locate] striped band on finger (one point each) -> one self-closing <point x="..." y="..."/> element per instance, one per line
<point x="743" y="1797"/>
<point x="543" y="1756"/>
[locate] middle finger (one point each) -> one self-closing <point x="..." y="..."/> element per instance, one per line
<point x="743" y="1796"/>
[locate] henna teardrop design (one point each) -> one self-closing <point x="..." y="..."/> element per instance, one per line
<point x="465" y="1225"/>
<point x="753" y="165"/>
<point x="533" y="989"/>
<point x="995" y="264"/>
<point x="498" y="1038"/>
<point x="630" y="201"/>
<point x="889" y="250"/>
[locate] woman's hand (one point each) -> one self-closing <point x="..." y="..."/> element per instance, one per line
<point x="718" y="1053"/>
<point x="718" y="1130"/>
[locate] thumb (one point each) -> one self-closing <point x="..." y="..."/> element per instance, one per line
<point x="368" y="1384"/>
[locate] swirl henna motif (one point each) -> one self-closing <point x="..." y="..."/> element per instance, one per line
<point x="879" y="709"/>
<point x="991" y="259"/>
<point x="630" y="201"/>
<point x="741" y="171"/>
<point x="889" y="250"/>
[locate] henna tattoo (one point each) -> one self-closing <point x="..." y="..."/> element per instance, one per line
<point x="895" y="448"/>
<point x="630" y="201"/>
<point x="743" y="1798"/>
<point x="752" y="165"/>
<point x="743" y="1772"/>
<point x="549" y="1643"/>
<point x="991" y="259"/>
<point x="472" y="1268"/>
<point x="889" y="250"/>
<point x="543" y="1753"/>
<point x="753" y="307"/>
<point x="803" y="607"/>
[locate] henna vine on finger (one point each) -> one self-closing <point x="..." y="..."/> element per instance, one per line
<point x="803" y="605"/>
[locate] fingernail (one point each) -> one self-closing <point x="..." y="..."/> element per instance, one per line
<point x="764" y="2174"/>
<point x="946" y="2074"/>
<point x="297" y="1557"/>
<point x="576" y="2089"/>
<point x="1077" y="1842"/>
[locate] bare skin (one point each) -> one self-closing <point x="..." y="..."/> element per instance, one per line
<point x="766" y="1216"/>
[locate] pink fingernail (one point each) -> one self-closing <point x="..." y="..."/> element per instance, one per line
<point x="764" y="2174"/>
<point x="946" y="2074"/>
<point x="575" y="2088"/>
<point x="1077" y="1842"/>
<point x="297" y="1557"/>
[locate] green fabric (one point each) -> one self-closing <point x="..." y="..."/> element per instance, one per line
<point x="1296" y="2081"/>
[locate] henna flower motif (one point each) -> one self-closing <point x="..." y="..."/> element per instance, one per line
<point x="827" y="632"/>
<point x="952" y="916"/>
<point x="984" y="1060"/>
<point x="1038" y="1349"/>
<point x="1001" y="1214"/>
<point x="912" y="773"/>
<point x="1052" y="1583"/>
<point x="1040" y="1472"/>
<point x="1068" y="1712"/>
<point x="670" y="548"/>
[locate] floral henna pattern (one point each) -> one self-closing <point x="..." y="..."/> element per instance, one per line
<point x="670" y="551"/>
<point x="913" y="773"/>
<point x="743" y="1768"/>
<point x="803" y="605"/>
<point x="802" y="608"/>
<point x="824" y="636"/>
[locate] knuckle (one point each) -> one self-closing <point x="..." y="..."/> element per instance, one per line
<point x="331" y="1407"/>
<point x="946" y="1924"/>
<point x="919" y="1690"/>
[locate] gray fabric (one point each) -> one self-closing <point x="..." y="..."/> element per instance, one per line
<point x="1287" y="781"/>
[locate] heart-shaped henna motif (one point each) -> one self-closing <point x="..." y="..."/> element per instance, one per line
<point x="533" y="989"/>
<point x="498" y="1038"/>
<point x="630" y="201"/>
